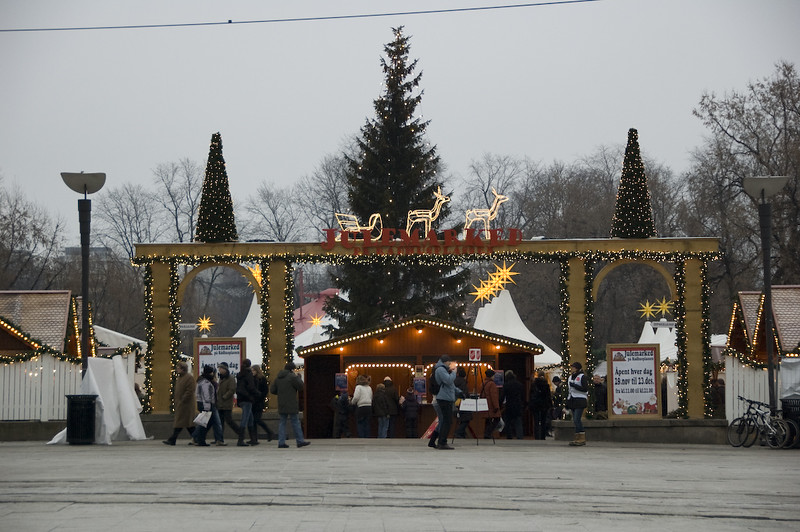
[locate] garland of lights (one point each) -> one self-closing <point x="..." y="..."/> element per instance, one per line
<point x="705" y="331"/>
<point x="288" y="310"/>
<point x="265" y="367"/>
<point x="174" y="325"/>
<point x="680" y="339"/>
<point x="149" y="338"/>
<point x="588" y="338"/>
<point x="563" y="307"/>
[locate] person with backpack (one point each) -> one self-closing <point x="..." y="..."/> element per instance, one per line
<point x="445" y="375"/>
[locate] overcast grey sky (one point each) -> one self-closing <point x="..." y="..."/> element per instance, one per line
<point x="548" y="82"/>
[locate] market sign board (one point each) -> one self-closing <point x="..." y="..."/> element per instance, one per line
<point x="212" y="351"/>
<point x="634" y="380"/>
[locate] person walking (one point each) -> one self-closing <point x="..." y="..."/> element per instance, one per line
<point x="206" y="402"/>
<point x="183" y="402"/>
<point x="394" y="404"/>
<point x="246" y="394"/>
<point x="225" y="391"/>
<point x="578" y="398"/>
<point x="540" y="404"/>
<point x="286" y="386"/>
<point x="262" y="389"/>
<point x="492" y="395"/>
<point x="462" y="391"/>
<point x="380" y="409"/>
<point x="445" y="374"/>
<point x="362" y="400"/>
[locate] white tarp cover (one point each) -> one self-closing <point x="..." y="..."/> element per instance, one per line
<point x="500" y="316"/>
<point x="117" y="407"/>
<point x="790" y="376"/>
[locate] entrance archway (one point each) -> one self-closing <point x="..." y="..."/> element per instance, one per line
<point x="577" y="259"/>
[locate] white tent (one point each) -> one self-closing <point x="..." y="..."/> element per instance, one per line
<point x="500" y="316"/>
<point x="251" y="330"/>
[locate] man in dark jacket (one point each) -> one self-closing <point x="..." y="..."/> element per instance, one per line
<point x="394" y="404"/>
<point x="225" y="391"/>
<point x="246" y="393"/>
<point x="286" y="386"/>
<point x="513" y="397"/>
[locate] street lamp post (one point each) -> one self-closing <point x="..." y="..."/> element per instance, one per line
<point x="84" y="184"/>
<point x="761" y="189"/>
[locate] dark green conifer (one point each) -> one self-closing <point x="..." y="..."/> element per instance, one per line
<point x="215" y="222"/>
<point x="633" y="214"/>
<point x="394" y="172"/>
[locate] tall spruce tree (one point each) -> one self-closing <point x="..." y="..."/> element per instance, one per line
<point x="633" y="213"/>
<point x="394" y="172"/>
<point x="215" y="221"/>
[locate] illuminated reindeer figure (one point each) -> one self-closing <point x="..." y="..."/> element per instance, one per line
<point x="349" y="223"/>
<point x="485" y="215"/>
<point x="427" y="216"/>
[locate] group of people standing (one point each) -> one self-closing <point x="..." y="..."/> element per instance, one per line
<point x="384" y="404"/>
<point x="213" y="397"/>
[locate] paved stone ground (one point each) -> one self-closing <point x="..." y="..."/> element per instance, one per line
<point x="401" y="485"/>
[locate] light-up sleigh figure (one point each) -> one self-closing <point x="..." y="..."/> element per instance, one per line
<point x="485" y="215"/>
<point x="349" y="223"/>
<point x="427" y="216"/>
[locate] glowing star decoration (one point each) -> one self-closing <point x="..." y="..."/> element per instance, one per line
<point x="505" y="274"/>
<point x="256" y="271"/>
<point x="427" y="216"/>
<point x="485" y="215"/>
<point x="495" y="284"/>
<point x="663" y="306"/>
<point x="349" y="223"/>
<point x="647" y="310"/>
<point x="316" y="320"/>
<point x="204" y="324"/>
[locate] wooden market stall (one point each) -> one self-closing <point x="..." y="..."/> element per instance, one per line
<point x="402" y="351"/>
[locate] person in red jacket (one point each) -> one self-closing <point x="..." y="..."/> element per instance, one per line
<point x="490" y="392"/>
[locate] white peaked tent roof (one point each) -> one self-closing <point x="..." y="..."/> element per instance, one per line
<point x="116" y="339"/>
<point x="500" y="316"/>
<point x="251" y="330"/>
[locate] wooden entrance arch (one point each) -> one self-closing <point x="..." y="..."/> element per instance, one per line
<point x="577" y="258"/>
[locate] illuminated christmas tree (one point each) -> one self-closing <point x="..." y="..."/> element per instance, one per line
<point x="633" y="214"/>
<point x="215" y="221"/>
<point x="394" y="172"/>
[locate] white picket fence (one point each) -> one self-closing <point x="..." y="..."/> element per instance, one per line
<point x="37" y="389"/>
<point x="745" y="381"/>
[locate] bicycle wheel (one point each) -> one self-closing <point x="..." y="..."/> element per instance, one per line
<point x="776" y="433"/>
<point x="793" y="435"/>
<point x="737" y="432"/>
<point x="752" y="432"/>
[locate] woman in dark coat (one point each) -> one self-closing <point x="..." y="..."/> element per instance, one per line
<point x="541" y="401"/>
<point x="464" y="417"/>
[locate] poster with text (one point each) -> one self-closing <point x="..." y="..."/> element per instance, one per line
<point x="212" y="351"/>
<point x="340" y="382"/>
<point x="633" y="380"/>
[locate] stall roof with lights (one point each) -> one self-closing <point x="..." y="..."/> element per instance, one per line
<point x="746" y="335"/>
<point x="408" y="338"/>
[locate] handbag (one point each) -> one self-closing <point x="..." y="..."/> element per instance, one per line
<point x="202" y="419"/>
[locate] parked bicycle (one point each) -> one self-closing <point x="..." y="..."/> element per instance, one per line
<point x="758" y="421"/>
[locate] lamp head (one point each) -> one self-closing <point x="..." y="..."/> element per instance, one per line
<point x="762" y="188"/>
<point x="84" y="183"/>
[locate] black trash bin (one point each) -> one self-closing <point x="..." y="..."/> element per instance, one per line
<point x="791" y="410"/>
<point x="80" y="419"/>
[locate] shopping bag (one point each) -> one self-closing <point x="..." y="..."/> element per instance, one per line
<point x="202" y="419"/>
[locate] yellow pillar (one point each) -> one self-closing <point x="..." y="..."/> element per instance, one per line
<point x="161" y="360"/>
<point x="576" y="317"/>
<point x="276" y="277"/>
<point x="694" y="339"/>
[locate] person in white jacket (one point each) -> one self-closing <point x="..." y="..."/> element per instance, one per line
<point x="362" y="400"/>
